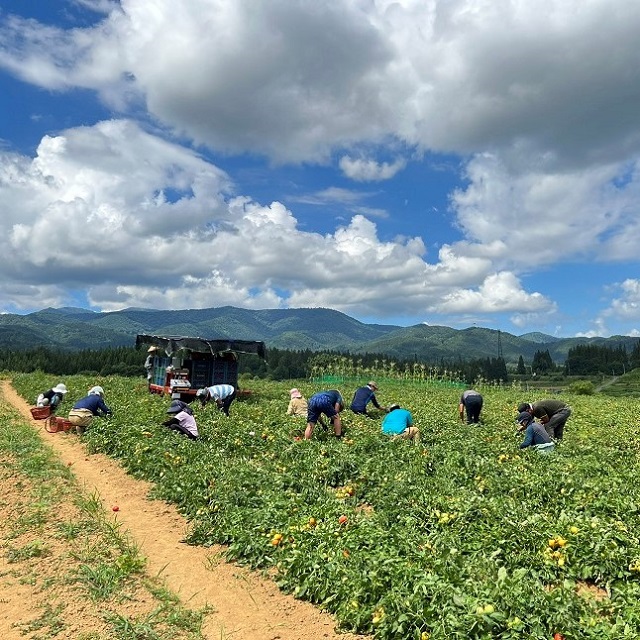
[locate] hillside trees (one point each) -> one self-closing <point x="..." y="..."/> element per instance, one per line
<point x="542" y="362"/>
<point x="591" y="359"/>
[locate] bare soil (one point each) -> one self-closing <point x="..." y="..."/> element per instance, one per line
<point x="244" y="604"/>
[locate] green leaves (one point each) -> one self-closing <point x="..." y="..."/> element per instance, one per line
<point x="450" y="538"/>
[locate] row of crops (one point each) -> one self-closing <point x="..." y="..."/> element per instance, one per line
<point x="463" y="536"/>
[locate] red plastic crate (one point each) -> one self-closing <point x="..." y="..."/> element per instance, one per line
<point x="40" y="413"/>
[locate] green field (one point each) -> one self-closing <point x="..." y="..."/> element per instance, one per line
<point x="464" y="536"/>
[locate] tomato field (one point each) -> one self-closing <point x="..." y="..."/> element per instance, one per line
<point x="461" y="536"/>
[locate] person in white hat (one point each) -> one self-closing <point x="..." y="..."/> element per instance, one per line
<point x="85" y="409"/>
<point x="53" y="397"/>
<point x="297" y="405"/>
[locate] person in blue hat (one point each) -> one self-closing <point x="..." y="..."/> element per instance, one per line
<point x="535" y="434"/>
<point x="182" y="420"/>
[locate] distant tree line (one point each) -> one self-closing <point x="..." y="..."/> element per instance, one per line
<point x="585" y="360"/>
<point x="593" y="359"/>
<point x="120" y="361"/>
<point x="281" y="364"/>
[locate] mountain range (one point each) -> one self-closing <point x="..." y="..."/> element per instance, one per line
<point x="294" y="329"/>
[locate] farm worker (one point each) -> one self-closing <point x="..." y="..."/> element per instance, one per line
<point x="552" y="413"/>
<point x="363" y="396"/>
<point x="183" y="406"/>
<point x="148" y="363"/>
<point x="222" y="394"/>
<point x="181" y="420"/>
<point x="399" y="424"/>
<point x="331" y="404"/>
<point x="83" y="411"/>
<point x="298" y="406"/>
<point x="52" y="397"/>
<point x="535" y="434"/>
<point x="471" y="402"/>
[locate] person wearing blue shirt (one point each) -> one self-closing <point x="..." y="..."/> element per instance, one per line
<point x="83" y="411"/>
<point x="331" y="404"/>
<point x="363" y="396"/>
<point x="535" y="434"/>
<point x="399" y="424"/>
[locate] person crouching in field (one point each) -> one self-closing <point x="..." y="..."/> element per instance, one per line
<point x="331" y="404"/>
<point x="84" y="411"/>
<point x="471" y="404"/>
<point x="552" y="413"/>
<point x="222" y="394"/>
<point x="535" y="434"/>
<point x="398" y="423"/>
<point x="363" y="396"/>
<point x="182" y="420"/>
<point x="298" y="406"/>
<point x="53" y="397"/>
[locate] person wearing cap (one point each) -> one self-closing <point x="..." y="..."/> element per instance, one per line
<point x="363" y="396"/>
<point x="222" y="394"/>
<point x="398" y="423"/>
<point x="182" y="420"/>
<point x="148" y="363"/>
<point x="552" y="413"/>
<point x="183" y="406"/>
<point x="53" y="397"/>
<point x="87" y="408"/>
<point x="298" y="405"/>
<point x="329" y="403"/>
<point x="535" y="434"/>
<point x="471" y="403"/>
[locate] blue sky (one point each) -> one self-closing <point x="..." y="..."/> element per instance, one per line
<point x="452" y="162"/>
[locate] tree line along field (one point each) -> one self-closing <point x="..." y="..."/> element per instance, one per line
<point x="463" y="536"/>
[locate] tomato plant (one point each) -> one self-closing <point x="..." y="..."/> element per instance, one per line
<point x="462" y="536"/>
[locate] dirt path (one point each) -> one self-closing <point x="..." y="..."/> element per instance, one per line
<point x="245" y="606"/>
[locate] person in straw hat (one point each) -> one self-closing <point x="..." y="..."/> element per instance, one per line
<point x="148" y="363"/>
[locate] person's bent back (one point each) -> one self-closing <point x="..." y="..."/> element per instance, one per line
<point x="398" y="423"/>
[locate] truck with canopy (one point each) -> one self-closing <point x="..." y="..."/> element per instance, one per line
<point x="182" y="365"/>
